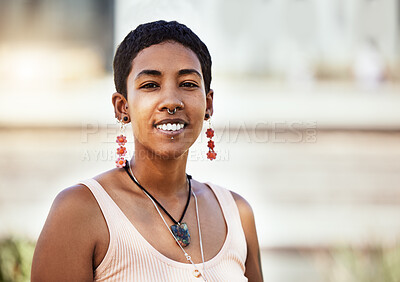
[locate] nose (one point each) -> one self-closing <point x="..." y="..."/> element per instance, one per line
<point x="170" y="100"/>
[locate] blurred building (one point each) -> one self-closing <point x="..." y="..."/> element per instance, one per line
<point x="60" y="40"/>
<point x="279" y="38"/>
<point x="291" y="39"/>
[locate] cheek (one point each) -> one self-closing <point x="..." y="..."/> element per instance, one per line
<point x="198" y="109"/>
<point x="140" y="112"/>
<point x="203" y="106"/>
<point x="196" y="103"/>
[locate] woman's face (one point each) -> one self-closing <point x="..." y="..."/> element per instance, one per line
<point x="164" y="77"/>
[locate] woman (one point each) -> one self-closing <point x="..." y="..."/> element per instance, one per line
<point x="147" y="220"/>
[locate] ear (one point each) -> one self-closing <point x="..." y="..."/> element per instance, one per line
<point x="120" y="106"/>
<point x="209" y="103"/>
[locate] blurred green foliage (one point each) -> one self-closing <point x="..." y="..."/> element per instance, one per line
<point x="372" y="264"/>
<point x="15" y="259"/>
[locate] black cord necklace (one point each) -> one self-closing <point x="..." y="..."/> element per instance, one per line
<point x="179" y="228"/>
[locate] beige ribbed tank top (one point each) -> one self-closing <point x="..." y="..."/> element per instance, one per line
<point x="131" y="258"/>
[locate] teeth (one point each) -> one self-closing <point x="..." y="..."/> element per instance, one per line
<point x="171" y="126"/>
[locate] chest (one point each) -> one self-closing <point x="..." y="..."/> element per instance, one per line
<point x="151" y="227"/>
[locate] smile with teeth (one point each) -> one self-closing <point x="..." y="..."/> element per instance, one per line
<point x="170" y="126"/>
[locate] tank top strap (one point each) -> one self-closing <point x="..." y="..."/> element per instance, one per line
<point x="232" y="217"/>
<point x="225" y="199"/>
<point x="110" y="212"/>
<point x="107" y="205"/>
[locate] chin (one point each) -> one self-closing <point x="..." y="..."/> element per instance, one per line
<point x="162" y="150"/>
<point x="170" y="154"/>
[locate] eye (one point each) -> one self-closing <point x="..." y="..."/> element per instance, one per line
<point x="189" y="85"/>
<point x="149" y="85"/>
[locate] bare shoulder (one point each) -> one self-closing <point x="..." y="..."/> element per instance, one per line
<point x="72" y="207"/>
<point x="75" y="202"/>
<point x="253" y="260"/>
<point x="73" y="198"/>
<point x="245" y="210"/>
<point x="68" y="238"/>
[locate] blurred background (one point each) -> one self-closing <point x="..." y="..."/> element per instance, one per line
<point x="307" y="120"/>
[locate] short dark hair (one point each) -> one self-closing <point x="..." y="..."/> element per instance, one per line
<point x="148" y="34"/>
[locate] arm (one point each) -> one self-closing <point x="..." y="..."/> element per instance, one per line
<point x="65" y="248"/>
<point x="253" y="260"/>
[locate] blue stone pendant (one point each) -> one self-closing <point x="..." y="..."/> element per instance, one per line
<point x="181" y="233"/>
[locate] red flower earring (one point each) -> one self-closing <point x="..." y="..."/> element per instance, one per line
<point x="211" y="154"/>
<point x="121" y="141"/>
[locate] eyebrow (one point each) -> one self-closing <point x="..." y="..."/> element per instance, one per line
<point x="148" y="72"/>
<point x="189" y="71"/>
<point x="158" y="73"/>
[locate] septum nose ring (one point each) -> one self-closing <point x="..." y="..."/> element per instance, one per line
<point x="171" y="112"/>
<point x="174" y="111"/>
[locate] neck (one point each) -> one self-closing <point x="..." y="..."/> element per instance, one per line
<point x="159" y="176"/>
